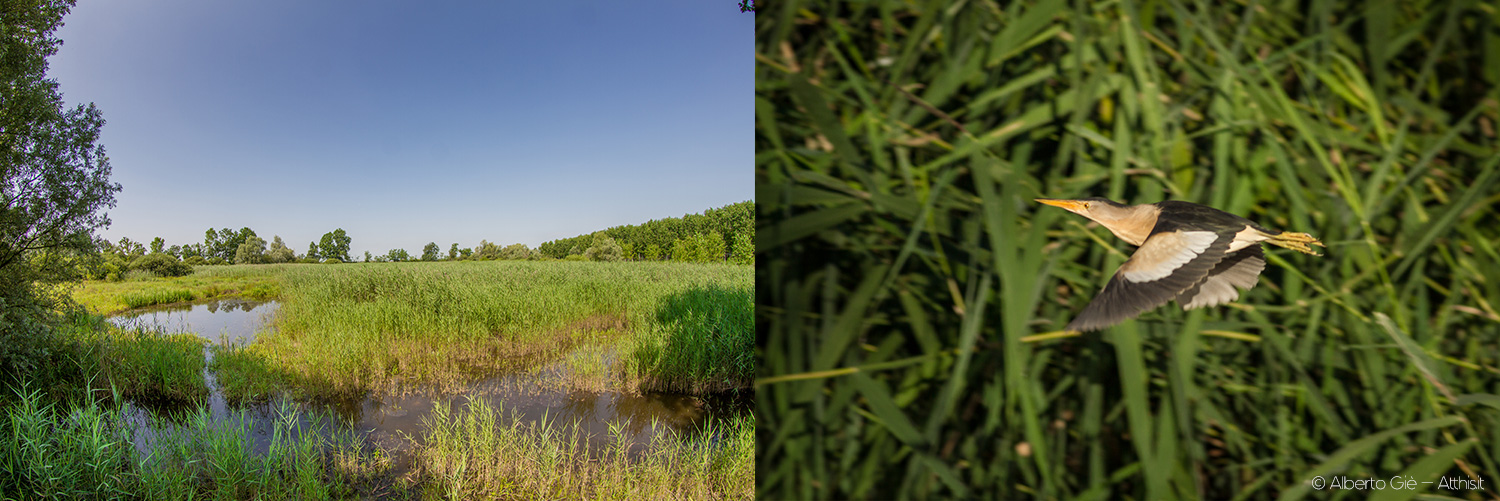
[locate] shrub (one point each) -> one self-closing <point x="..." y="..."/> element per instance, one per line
<point x="217" y="261"/>
<point x="161" y="264"/>
<point x="333" y="260"/>
<point x="195" y="261"/>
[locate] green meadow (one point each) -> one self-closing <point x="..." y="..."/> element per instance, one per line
<point x="911" y="295"/>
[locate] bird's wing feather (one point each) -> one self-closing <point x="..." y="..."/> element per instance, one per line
<point x="1238" y="269"/>
<point x="1165" y="265"/>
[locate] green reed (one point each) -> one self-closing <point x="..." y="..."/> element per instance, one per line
<point x="910" y="294"/>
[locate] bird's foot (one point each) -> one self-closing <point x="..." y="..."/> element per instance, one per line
<point x="1296" y="241"/>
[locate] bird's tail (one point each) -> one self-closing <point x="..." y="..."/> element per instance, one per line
<point x="1295" y="241"/>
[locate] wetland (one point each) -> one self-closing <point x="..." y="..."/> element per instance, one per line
<point x="427" y="380"/>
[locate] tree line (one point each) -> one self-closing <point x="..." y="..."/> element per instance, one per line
<point x="721" y="234"/>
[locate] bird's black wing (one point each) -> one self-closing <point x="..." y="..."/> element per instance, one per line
<point x="1166" y="264"/>
<point x="1240" y="268"/>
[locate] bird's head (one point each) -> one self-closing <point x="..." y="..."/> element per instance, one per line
<point x="1095" y="208"/>
<point x="1130" y="222"/>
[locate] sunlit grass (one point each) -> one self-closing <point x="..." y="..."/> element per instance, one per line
<point x="469" y="453"/>
<point x="347" y="330"/>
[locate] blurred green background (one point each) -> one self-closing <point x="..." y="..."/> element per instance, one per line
<point x="910" y="293"/>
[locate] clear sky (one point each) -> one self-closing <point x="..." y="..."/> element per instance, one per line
<point x="410" y="122"/>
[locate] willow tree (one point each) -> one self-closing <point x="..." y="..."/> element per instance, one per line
<point x="55" y="176"/>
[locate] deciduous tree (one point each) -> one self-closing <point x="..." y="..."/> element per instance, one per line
<point x="515" y="251"/>
<point x="279" y="252"/>
<point x="54" y="182"/>
<point x="335" y="245"/>
<point x="253" y="251"/>
<point x="603" y="249"/>
<point x="430" y="251"/>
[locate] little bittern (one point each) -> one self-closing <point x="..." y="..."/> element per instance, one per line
<point x="1190" y="253"/>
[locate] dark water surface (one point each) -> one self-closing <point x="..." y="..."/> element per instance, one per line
<point x="391" y="422"/>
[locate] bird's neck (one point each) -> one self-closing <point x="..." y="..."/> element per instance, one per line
<point x="1134" y="224"/>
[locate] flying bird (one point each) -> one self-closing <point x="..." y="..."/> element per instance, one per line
<point x="1194" y="254"/>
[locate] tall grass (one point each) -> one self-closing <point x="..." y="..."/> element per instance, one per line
<point x="910" y="293"/>
<point x="150" y="364"/>
<point x="88" y="452"/>
<point x="351" y="329"/>
<point x="151" y="297"/>
<point x="702" y="340"/>
<point x="469" y="453"/>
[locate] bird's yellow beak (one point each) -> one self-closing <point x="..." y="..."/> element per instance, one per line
<point x="1071" y="205"/>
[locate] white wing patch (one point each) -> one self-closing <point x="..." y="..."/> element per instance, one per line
<point x="1246" y="237"/>
<point x="1165" y="252"/>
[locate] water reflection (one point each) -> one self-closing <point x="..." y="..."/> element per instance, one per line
<point x="233" y="320"/>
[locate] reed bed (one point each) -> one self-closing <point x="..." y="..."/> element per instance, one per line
<point x="468" y="453"/>
<point x="910" y="293"/>
<point x="88" y="452"/>
<point x="701" y="341"/>
<point x="140" y="362"/>
<point x="347" y="330"/>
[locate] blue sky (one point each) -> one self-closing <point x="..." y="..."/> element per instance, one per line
<point x="404" y="123"/>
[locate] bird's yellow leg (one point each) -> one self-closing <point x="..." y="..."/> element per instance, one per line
<point x="1296" y="241"/>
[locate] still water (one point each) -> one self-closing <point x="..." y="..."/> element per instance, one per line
<point x="389" y="421"/>
<point x="232" y="320"/>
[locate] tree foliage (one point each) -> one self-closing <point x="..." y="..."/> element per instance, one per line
<point x="224" y="243"/>
<point x="654" y="239"/>
<point x="334" y="245"/>
<point x="700" y="248"/>
<point x="603" y="249"/>
<point x="54" y="182"/>
<point x="430" y="251"/>
<point x="279" y="252"/>
<point x="516" y="251"/>
<point x="252" y="251"/>
<point x="162" y="264"/>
